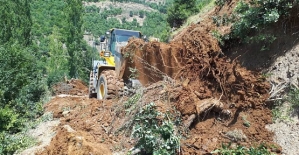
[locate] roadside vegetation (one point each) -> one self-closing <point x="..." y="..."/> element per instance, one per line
<point x="240" y="150"/>
<point x="33" y="57"/>
<point x="251" y="20"/>
<point x="287" y="105"/>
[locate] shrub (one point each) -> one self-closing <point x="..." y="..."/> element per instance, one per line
<point x="180" y="11"/>
<point x="241" y="150"/>
<point x="8" y="119"/>
<point x="254" y="16"/>
<point x="293" y="97"/>
<point x="21" y="82"/>
<point x="251" y="19"/>
<point x="154" y="136"/>
<point x="9" y="144"/>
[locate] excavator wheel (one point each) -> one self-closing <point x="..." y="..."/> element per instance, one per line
<point x="109" y="86"/>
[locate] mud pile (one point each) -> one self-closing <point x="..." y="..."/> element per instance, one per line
<point x="155" y="60"/>
<point x="197" y="60"/>
<point x="70" y="87"/>
<point x="87" y="126"/>
<point x="218" y="99"/>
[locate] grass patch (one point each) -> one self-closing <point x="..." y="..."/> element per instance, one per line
<point x="227" y="149"/>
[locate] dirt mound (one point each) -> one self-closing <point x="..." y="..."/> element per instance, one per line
<point x="198" y="60"/>
<point x="69" y="141"/>
<point x="70" y="87"/>
<point x="93" y="120"/>
<point x="218" y="100"/>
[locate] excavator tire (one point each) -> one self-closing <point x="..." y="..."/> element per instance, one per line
<point x="109" y="86"/>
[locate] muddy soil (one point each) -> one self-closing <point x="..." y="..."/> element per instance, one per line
<point x="90" y="126"/>
<point x="84" y="123"/>
<point x="70" y="87"/>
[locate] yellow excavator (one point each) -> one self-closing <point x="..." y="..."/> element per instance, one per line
<point x="106" y="81"/>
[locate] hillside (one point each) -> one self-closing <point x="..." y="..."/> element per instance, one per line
<point x="143" y="16"/>
<point x="225" y="84"/>
<point x="126" y="8"/>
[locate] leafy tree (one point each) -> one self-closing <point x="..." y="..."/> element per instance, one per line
<point x="141" y="13"/>
<point x="15" y="21"/>
<point x="74" y="11"/>
<point x="21" y="82"/>
<point x="131" y="13"/>
<point x="180" y="10"/>
<point x="57" y="62"/>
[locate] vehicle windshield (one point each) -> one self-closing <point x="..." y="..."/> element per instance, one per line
<point x="123" y="38"/>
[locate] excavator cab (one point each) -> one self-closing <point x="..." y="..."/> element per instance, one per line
<point x="105" y="80"/>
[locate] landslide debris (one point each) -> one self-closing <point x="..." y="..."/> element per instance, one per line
<point x="218" y="96"/>
<point x="70" y="87"/>
<point x="217" y="100"/>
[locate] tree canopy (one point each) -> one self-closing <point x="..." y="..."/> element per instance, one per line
<point x="180" y="10"/>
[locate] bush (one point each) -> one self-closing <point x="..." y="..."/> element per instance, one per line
<point x="241" y="150"/>
<point x="154" y="137"/>
<point x="293" y="97"/>
<point x="21" y="83"/>
<point x="9" y="144"/>
<point x="141" y="13"/>
<point x="180" y="11"/>
<point x="252" y="19"/>
<point x="8" y="119"/>
<point x="254" y="16"/>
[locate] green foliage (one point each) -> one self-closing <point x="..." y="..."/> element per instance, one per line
<point x="15" y="22"/>
<point x="20" y="80"/>
<point x="57" y="62"/>
<point x="293" y="97"/>
<point x="154" y="136"/>
<point x="220" y="2"/>
<point x="131" y="13"/>
<point x="74" y="12"/>
<point x="202" y="3"/>
<point x="32" y="55"/>
<point x="132" y="100"/>
<point x="93" y="23"/>
<point x="160" y="6"/>
<point x="241" y="150"/>
<point x="150" y="27"/>
<point x="53" y="12"/>
<point x="141" y="13"/>
<point x="8" y="119"/>
<point x="92" y="9"/>
<point x="220" y="38"/>
<point x="9" y="144"/>
<point x="180" y="10"/>
<point x="252" y="19"/>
